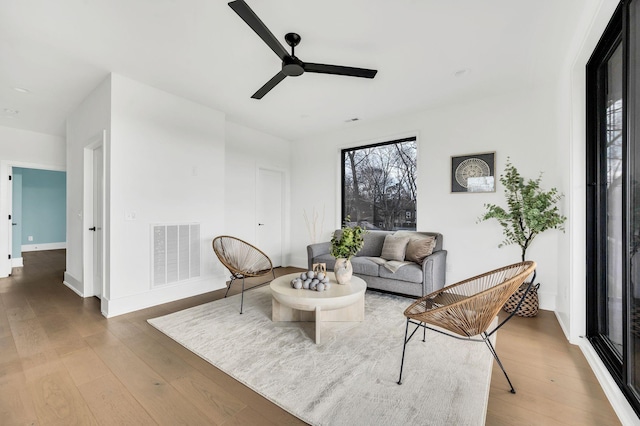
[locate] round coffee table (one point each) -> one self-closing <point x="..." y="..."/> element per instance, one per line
<point x="339" y="303"/>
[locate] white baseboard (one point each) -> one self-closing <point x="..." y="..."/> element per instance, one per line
<point x="620" y="405"/>
<point x="46" y="246"/>
<point x="160" y="295"/>
<point x="74" y="284"/>
<point x="16" y="262"/>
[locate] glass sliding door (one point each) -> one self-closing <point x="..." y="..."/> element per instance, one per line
<point x="633" y="193"/>
<point x="613" y="199"/>
<point x="612" y="196"/>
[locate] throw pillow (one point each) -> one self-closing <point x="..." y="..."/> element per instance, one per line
<point x="394" y="248"/>
<point x="419" y="248"/>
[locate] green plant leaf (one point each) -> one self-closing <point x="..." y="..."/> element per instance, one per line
<point x="530" y="210"/>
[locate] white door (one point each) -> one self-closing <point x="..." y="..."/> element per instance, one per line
<point x="269" y="199"/>
<point x="16" y="216"/>
<point x="98" y="184"/>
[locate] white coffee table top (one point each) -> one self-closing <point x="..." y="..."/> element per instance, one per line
<point x="338" y="296"/>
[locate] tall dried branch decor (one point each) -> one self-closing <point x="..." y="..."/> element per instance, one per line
<point x="312" y="224"/>
<point x="530" y="210"/>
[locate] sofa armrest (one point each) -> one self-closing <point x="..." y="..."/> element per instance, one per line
<point x="315" y="250"/>
<point x="434" y="270"/>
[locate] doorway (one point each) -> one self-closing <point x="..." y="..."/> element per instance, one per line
<point x="270" y="213"/>
<point x="10" y="240"/>
<point x="93" y="218"/>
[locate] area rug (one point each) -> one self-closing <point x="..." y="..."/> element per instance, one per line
<point x="350" y="378"/>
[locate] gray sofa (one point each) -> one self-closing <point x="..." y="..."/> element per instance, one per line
<point x="411" y="279"/>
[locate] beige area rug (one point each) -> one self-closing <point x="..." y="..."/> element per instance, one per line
<point x="349" y="379"/>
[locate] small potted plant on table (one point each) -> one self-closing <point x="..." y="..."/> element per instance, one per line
<point x="344" y="247"/>
<point x="529" y="212"/>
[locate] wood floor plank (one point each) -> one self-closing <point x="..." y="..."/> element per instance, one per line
<point x="61" y="362"/>
<point x="5" y="328"/>
<point x="17" y="307"/>
<point x="212" y="399"/>
<point x="84" y="366"/>
<point x="29" y="337"/>
<point x="249" y="416"/>
<point x="16" y="404"/>
<point x="59" y="402"/>
<point x="112" y="404"/>
<point x="163" y="402"/>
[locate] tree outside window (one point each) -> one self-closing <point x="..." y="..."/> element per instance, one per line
<point x="379" y="185"/>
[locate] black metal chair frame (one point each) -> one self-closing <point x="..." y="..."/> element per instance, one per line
<point x="235" y="276"/>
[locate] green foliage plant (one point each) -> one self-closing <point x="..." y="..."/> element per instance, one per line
<point x="529" y="212"/>
<point x="350" y="242"/>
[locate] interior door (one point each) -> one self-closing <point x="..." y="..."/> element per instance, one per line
<point x="98" y="185"/>
<point x="16" y="215"/>
<point x="269" y="199"/>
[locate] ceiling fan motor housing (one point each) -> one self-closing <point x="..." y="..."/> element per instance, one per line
<point x="292" y="66"/>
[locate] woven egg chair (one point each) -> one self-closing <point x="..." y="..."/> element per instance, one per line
<point x="241" y="259"/>
<point x="466" y="310"/>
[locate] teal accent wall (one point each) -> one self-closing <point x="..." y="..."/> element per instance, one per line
<point x="16" y="213"/>
<point x="44" y="206"/>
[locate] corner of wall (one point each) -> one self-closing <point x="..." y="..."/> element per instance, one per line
<point x="73" y="283"/>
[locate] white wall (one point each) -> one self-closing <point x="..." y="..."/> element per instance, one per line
<point x="521" y="125"/>
<point x="26" y="149"/>
<point x="571" y="301"/>
<point x="167" y="165"/>
<point x="247" y="150"/>
<point x="84" y="126"/>
<point x="164" y="163"/>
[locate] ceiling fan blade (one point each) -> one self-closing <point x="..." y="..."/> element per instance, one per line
<point x="269" y="85"/>
<point x="244" y="11"/>
<point x="340" y="70"/>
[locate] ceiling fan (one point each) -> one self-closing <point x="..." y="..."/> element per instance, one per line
<point x="291" y="65"/>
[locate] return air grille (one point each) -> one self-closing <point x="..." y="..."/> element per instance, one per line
<point x="176" y="253"/>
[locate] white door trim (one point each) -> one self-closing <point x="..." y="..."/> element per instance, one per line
<point x="87" y="216"/>
<point x="6" y="206"/>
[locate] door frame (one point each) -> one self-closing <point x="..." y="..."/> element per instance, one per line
<point x="87" y="217"/>
<point x="6" y="206"/>
<point x="285" y="208"/>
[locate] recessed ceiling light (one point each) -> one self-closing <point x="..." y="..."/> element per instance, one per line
<point x="461" y="72"/>
<point x="21" y="90"/>
<point x="9" y="111"/>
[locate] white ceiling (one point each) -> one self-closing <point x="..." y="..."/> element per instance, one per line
<point x="201" y="50"/>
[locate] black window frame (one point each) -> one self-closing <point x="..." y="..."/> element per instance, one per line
<point x="374" y="145"/>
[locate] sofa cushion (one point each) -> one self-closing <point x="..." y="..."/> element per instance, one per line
<point x="364" y="266"/>
<point x="360" y="265"/>
<point x="326" y="258"/>
<point x="412" y="234"/>
<point x="418" y="248"/>
<point x="394" y="248"/>
<point x="410" y="272"/>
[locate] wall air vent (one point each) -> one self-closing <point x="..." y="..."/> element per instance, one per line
<point x="175" y="251"/>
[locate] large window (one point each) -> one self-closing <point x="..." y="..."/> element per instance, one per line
<point x="379" y="185"/>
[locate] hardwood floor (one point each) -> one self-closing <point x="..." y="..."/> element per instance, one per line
<point x="62" y="362"/>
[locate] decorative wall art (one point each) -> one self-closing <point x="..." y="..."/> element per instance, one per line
<point x="473" y="173"/>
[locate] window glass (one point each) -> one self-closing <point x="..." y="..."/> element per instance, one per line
<point x="379" y="185"/>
